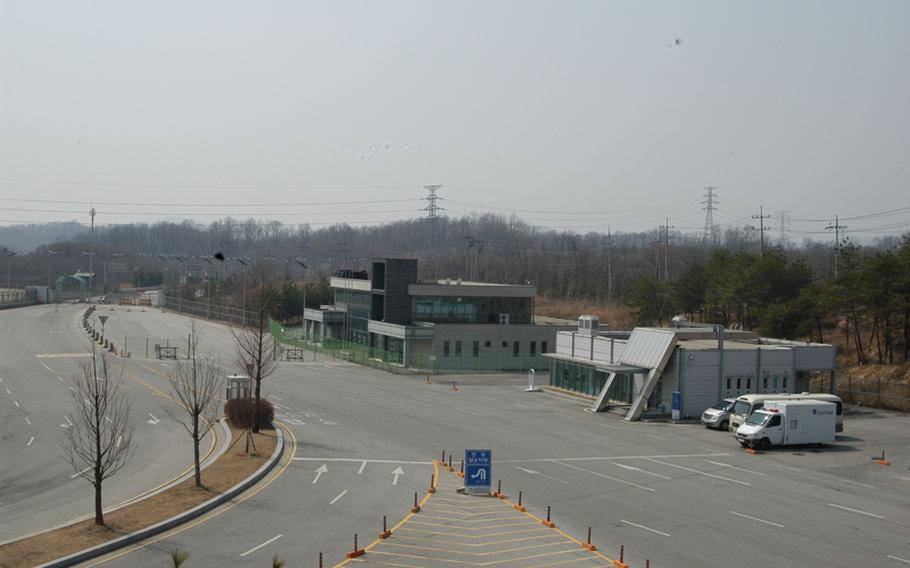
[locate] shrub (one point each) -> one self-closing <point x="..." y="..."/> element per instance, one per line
<point x="241" y="413"/>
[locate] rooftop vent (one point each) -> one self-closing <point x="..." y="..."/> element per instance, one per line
<point x="588" y="325"/>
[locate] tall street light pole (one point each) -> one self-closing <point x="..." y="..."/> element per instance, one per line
<point x="303" y="265"/>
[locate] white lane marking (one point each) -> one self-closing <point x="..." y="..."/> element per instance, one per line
<point x="29" y="422"/>
<point x="633" y="468"/>
<point x="108" y="418"/>
<point x="168" y="365"/>
<point x="72" y="389"/>
<point x="720" y="464"/>
<point x="68" y="421"/>
<point x="1" y="379"/>
<point x="278" y="406"/>
<point x="16" y="402"/>
<point x="528" y="471"/>
<point x="858" y="483"/>
<point x="75" y="475"/>
<point x="322" y="469"/>
<point x="48" y="368"/>
<point x="363" y="466"/>
<point x="30" y="440"/>
<point x="154" y="421"/>
<point x="856" y="511"/>
<point x="899" y="559"/>
<point x="397" y="473"/>
<point x="644" y="527"/>
<point x="605" y="476"/>
<point x="357" y="460"/>
<point x="119" y="440"/>
<point x="8" y="391"/>
<point x="756" y="519"/>
<point x="266" y="543"/>
<point x="661" y="438"/>
<point x="524" y="406"/>
<point x="788" y="467"/>
<point x="60" y="379"/>
<point x="274" y="397"/>
<point x="607" y="458"/>
<point x="607" y="425"/>
<point x="689" y="469"/>
<point x="338" y="497"/>
<point x="466" y="411"/>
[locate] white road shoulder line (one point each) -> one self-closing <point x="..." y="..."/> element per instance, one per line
<point x="266" y="543"/>
<point x="644" y="527"/>
<point x="361" y="460"/>
<point x="721" y="464"/>
<point x="16" y="402"/>
<point x="605" y="476"/>
<point x="706" y="474"/>
<point x="363" y="466"/>
<point x="638" y="469"/>
<point x="756" y="519"/>
<point x="338" y="497"/>
<point x="29" y="422"/>
<point x="905" y="561"/>
<point x="608" y="458"/>
<point x="856" y="511"/>
<point x="858" y="483"/>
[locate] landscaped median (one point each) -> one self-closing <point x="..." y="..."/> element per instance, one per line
<point x="231" y="474"/>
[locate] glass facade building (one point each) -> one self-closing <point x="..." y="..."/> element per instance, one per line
<point x="473" y="310"/>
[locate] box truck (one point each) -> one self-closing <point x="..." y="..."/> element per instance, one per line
<point x="787" y="422"/>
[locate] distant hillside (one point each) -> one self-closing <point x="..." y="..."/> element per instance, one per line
<point x="29" y="237"/>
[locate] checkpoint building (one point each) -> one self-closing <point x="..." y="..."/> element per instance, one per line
<point x="436" y="325"/>
<point x="636" y="372"/>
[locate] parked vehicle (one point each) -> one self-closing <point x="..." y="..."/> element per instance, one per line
<point x="718" y="416"/>
<point x="749" y="403"/>
<point x="788" y="422"/>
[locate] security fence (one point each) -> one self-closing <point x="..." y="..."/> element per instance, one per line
<point x="208" y="310"/>
<point x="14" y="298"/>
<point x="418" y="362"/>
<point x="875" y="392"/>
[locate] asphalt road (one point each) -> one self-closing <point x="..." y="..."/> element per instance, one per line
<point x="679" y="495"/>
<point x="40" y="352"/>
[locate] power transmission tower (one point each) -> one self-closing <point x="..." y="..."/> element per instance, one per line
<point x="665" y="233"/>
<point x="433" y="210"/>
<point x="607" y="243"/>
<point x="478" y="250"/>
<point x="784" y="228"/>
<point x="91" y="254"/>
<point x="469" y="242"/>
<point x="761" y="226"/>
<point x="837" y="229"/>
<point x="710" y="206"/>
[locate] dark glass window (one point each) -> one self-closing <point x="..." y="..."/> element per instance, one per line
<point x="486" y="344"/>
<point x="543" y="347"/>
<point x="445" y="348"/>
<point x="458" y="349"/>
<point x="505" y="344"/>
<point x="515" y="349"/>
<point x="476" y="348"/>
<point x="533" y="348"/>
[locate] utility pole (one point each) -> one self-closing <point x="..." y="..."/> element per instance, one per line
<point x="607" y="243"/>
<point x="761" y="226"/>
<point x="433" y="210"/>
<point x="478" y="250"/>
<point x="837" y="229"/>
<point x="666" y="241"/>
<point x="710" y="205"/>
<point x="91" y="255"/>
<point x="468" y="265"/>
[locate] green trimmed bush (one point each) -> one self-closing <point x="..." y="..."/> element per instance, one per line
<point x="241" y="413"/>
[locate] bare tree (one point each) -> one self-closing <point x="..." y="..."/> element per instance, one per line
<point x="256" y="354"/>
<point x="99" y="442"/>
<point x="197" y="383"/>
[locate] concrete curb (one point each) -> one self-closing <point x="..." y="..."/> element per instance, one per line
<point x="168" y="524"/>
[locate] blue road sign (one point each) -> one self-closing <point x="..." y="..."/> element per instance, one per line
<point x="478" y="469"/>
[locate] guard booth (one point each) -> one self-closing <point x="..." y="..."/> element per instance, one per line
<point x="238" y="387"/>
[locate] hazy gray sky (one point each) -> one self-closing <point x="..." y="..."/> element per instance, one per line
<point x="572" y="114"/>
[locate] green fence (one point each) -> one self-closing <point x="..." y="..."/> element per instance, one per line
<point x="418" y="362"/>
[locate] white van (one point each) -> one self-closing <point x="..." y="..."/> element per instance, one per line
<point x="788" y="422"/>
<point x="749" y="403"/>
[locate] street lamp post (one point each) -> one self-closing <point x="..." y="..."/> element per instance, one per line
<point x="9" y="254"/>
<point x="303" y="265"/>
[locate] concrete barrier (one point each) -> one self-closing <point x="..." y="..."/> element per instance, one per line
<point x="168" y="524"/>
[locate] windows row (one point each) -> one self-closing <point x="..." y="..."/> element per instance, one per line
<point x="475" y="347"/>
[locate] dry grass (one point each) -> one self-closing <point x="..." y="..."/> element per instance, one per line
<point x="615" y="316"/>
<point x="230" y="469"/>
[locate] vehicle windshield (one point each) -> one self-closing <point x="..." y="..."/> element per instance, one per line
<point x="742" y="408"/>
<point x="759" y="418"/>
<point x="723" y="405"/>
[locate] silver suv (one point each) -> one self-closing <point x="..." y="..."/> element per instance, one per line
<point x="718" y="416"/>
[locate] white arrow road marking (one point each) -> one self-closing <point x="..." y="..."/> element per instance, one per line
<point x="856" y="511"/>
<point x="30" y="440"/>
<point x="397" y="473"/>
<point x="75" y="475"/>
<point x="638" y="469"/>
<point x="528" y="471"/>
<point x="363" y="466"/>
<point x="644" y="527"/>
<point x="322" y="469"/>
<point x="255" y="548"/>
<point x="778" y="525"/>
<point x="154" y="421"/>
<point x="338" y="497"/>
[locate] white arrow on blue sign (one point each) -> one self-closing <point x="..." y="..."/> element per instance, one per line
<point x="478" y="470"/>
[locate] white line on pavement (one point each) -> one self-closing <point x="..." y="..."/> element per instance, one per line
<point x="644" y="527"/>
<point x="899" y="559"/>
<point x="421" y="399"/>
<point x="466" y="411"/>
<point x="633" y="468"/>
<point x="275" y="397"/>
<point x="60" y="379"/>
<point x="528" y="471"/>
<point x="858" y="483"/>
<point x="605" y="476"/>
<point x="856" y="511"/>
<point x="363" y="466"/>
<point x="605" y="458"/>
<point x="16" y="402"/>
<point x="322" y="469"/>
<point x="29" y="422"/>
<point x="684" y="468"/>
<point x="720" y="464"/>
<point x="606" y="425"/>
<point x="30" y="440"/>
<point x="48" y="368"/>
<point x="661" y="438"/>
<point x="255" y="548"/>
<point x="1" y="379"/>
<point x="756" y="519"/>
<point x="338" y="497"/>
<point x="8" y="391"/>
<point x="356" y="460"/>
<point x="524" y="406"/>
<point x="154" y="421"/>
<point x="75" y="475"/>
<point x="788" y="467"/>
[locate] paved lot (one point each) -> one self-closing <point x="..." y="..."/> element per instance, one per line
<point x="677" y="494"/>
